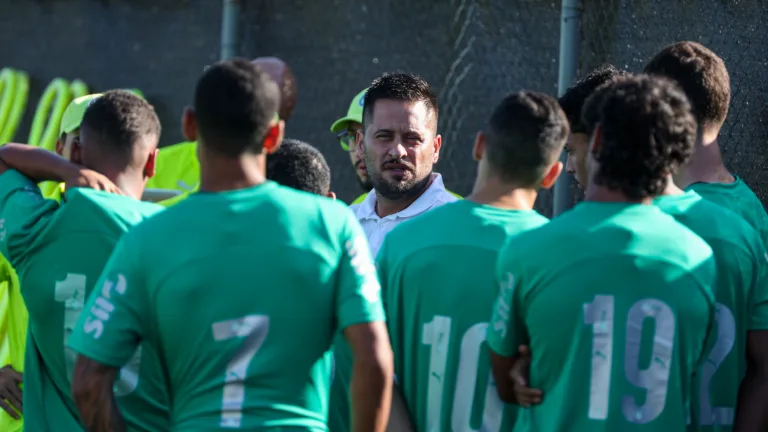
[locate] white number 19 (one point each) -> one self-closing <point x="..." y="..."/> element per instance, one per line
<point x="254" y="329"/>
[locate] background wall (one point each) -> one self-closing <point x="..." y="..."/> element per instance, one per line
<point x="472" y="51"/>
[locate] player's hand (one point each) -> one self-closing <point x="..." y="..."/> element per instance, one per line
<point x="520" y="372"/>
<point x="10" y="391"/>
<point x="90" y="179"/>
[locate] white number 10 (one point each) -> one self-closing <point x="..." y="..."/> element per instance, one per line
<point x="654" y="379"/>
<point x="254" y="329"/>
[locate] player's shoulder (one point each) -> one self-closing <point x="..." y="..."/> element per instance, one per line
<point x="89" y="202"/>
<point x="435" y="220"/>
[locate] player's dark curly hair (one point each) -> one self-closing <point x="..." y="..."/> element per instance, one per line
<point x="235" y="104"/>
<point x="525" y="135"/>
<point x="702" y="76"/>
<point x="119" y="120"/>
<point x="298" y="165"/>
<point x="400" y="87"/>
<point x="648" y="131"/>
<point x="572" y="101"/>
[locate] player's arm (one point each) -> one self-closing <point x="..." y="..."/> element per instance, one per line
<point x="107" y="334"/>
<point x="42" y="165"/>
<point x="361" y="314"/>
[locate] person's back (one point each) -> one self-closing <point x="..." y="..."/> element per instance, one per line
<point x="741" y="292"/>
<point x="738" y="198"/>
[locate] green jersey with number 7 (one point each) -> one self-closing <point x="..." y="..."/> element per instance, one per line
<point x="59" y="251"/>
<point x="741" y="291"/>
<point x="437" y="276"/>
<point x="242" y="291"/>
<point x="615" y="301"/>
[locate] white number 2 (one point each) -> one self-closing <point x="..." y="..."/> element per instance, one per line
<point x="726" y="336"/>
<point x="654" y="379"/>
<point x="71" y="292"/>
<point x="437" y="334"/>
<point x="254" y="329"/>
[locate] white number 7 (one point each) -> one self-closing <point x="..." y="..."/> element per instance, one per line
<point x="254" y="329"/>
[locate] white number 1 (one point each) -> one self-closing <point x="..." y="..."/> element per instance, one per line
<point x="254" y="329"/>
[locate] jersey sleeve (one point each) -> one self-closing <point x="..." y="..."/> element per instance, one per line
<point x="112" y="323"/>
<point x="23" y="214"/>
<point x="359" y="292"/>
<point x="758" y="301"/>
<point x="507" y="327"/>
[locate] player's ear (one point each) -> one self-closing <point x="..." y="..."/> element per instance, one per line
<point x="478" y="150"/>
<point x="60" y="144"/>
<point x="150" y="168"/>
<point x="274" y="137"/>
<point x="331" y="195"/>
<point x="189" y="124"/>
<point x="76" y="152"/>
<point x="437" y="142"/>
<point x="596" y="140"/>
<point x="551" y="177"/>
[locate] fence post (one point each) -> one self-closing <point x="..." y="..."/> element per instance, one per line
<point x="230" y="18"/>
<point x="570" y="37"/>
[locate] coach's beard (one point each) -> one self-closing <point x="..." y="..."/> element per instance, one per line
<point x="395" y="191"/>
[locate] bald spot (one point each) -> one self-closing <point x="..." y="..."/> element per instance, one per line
<point x="282" y="74"/>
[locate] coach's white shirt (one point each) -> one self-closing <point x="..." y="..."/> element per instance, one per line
<point x="376" y="228"/>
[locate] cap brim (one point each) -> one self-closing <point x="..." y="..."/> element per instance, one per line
<point x="341" y="124"/>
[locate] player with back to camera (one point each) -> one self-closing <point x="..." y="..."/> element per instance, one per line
<point x="255" y="356"/>
<point x="616" y="264"/>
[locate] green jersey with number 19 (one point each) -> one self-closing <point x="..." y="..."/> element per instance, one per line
<point x="741" y="291"/>
<point x="615" y="301"/>
<point x="242" y="291"/>
<point x="59" y="251"/>
<point x="437" y="276"/>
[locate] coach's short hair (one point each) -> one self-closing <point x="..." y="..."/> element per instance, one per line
<point x="648" y="131"/>
<point x="119" y="120"/>
<point x="702" y="76"/>
<point x="235" y="105"/>
<point x="525" y="135"/>
<point x="572" y="101"/>
<point x="400" y="87"/>
<point x="298" y="165"/>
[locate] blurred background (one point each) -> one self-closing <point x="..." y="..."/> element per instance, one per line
<point x="472" y="52"/>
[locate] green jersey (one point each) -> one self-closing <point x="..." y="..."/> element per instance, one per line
<point x="438" y="284"/>
<point x="615" y="301"/>
<point x="741" y="291"/>
<point x="242" y="291"/>
<point x="738" y="198"/>
<point x="59" y="251"/>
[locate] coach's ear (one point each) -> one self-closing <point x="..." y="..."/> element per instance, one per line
<point x="554" y="172"/>
<point x="189" y="124"/>
<point x="596" y="140"/>
<point x="479" y="148"/>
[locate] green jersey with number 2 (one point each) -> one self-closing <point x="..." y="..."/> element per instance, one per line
<point x="615" y="301"/>
<point x="741" y="291"/>
<point x="437" y="274"/>
<point x="243" y="292"/>
<point x="59" y="251"/>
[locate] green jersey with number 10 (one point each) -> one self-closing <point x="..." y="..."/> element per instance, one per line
<point x="59" y="251"/>
<point x="741" y="291"/>
<point x="615" y="301"/>
<point x="437" y="274"/>
<point x="242" y="291"/>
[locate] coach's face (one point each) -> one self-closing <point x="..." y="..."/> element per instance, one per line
<point x="577" y="148"/>
<point x="399" y="147"/>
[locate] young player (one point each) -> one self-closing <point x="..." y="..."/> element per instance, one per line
<point x="241" y="286"/>
<point x="614" y="297"/>
<point x="300" y="166"/>
<point x="59" y="251"/>
<point x="437" y="270"/>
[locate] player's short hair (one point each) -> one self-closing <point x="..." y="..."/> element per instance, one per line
<point x="399" y="87"/>
<point x="235" y="104"/>
<point x="119" y="120"/>
<point x="702" y="76"/>
<point x="572" y="101"/>
<point x="648" y="131"/>
<point x="301" y="166"/>
<point x="525" y="135"/>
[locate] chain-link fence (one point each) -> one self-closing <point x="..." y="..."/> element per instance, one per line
<point x="472" y="51"/>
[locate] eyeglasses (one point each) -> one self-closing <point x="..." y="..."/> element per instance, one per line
<point x="347" y="139"/>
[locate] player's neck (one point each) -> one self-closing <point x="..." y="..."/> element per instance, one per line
<point x="705" y="166"/>
<point x="218" y="174"/>
<point x="385" y="207"/>
<point x="672" y="189"/>
<point x="131" y="183"/>
<point x="492" y="192"/>
<point x="599" y="193"/>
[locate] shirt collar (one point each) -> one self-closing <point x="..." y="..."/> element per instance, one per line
<point x="424" y="202"/>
